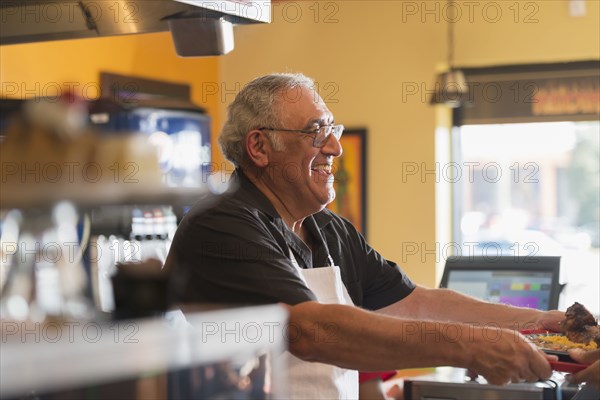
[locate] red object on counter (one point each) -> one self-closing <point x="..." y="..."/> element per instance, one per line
<point x="367" y="376"/>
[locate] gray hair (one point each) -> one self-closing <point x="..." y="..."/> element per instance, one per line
<point x="255" y="106"/>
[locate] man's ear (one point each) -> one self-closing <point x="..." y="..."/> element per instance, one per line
<point x="257" y="148"/>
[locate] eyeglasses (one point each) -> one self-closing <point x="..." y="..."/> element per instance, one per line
<point x="321" y="134"/>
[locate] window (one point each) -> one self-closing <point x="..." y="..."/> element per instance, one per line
<point x="533" y="189"/>
<point x="531" y="182"/>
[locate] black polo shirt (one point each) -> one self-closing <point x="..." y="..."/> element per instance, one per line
<point x="238" y="251"/>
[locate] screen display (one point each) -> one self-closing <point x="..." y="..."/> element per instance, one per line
<point x="517" y="288"/>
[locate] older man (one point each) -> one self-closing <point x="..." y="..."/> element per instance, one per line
<point x="274" y="241"/>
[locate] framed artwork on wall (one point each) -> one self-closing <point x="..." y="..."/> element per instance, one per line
<point x="350" y="179"/>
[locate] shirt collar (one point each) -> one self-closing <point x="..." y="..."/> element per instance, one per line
<point x="322" y="218"/>
<point x="314" y="223"/>
<point x="252" y="194"/>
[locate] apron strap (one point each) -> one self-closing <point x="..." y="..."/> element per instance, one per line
<point x="293" y="259"/>
<point x="331" y="263"/>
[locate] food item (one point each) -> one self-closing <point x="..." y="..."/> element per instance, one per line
<point x="559" y="342"/>
<point x="580" y="325"/>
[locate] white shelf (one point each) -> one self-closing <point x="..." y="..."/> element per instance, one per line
<point x="42" y="358"/>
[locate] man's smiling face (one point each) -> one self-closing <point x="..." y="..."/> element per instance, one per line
<point x="302" y="172"/>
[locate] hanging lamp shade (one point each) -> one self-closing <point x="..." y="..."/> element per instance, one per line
<point x="450" y="87"/>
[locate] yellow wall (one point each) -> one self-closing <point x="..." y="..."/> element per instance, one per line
<point x="376" y="54"/>
<point x="38" y="68"/>
<point x="369" y="58"/>
<point x="542" y="31"/>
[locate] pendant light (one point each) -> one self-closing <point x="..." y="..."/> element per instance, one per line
<point x="450" y="87"/>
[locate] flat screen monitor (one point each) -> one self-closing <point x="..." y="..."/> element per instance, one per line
<point x="519" y="281"/>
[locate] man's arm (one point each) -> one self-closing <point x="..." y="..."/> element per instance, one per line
<point x="354" y="338"/>
<point x="451" y="306"/>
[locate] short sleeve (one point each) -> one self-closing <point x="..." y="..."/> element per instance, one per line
<point x="372" y="281"/>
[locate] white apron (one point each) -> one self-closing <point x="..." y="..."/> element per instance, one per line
<point x="312" y="380"/>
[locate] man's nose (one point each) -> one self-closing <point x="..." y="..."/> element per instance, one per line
<point x="332" y="147"/>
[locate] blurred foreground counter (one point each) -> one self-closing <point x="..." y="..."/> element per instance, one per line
<point x="230" y="353"/>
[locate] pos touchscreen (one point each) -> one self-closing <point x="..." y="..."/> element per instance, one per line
<point x="519" y="281"/>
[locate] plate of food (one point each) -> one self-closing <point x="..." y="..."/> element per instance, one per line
<point x="579" y="330"/>
<point x="559" y="345"/>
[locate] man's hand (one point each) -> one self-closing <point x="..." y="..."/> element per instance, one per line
<point x="590" y="375"/>
<point x="506" y="356"/>
<point x="549" y="320"/>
